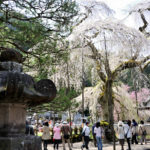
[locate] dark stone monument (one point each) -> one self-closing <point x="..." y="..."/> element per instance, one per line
<point x="18" y="91"/>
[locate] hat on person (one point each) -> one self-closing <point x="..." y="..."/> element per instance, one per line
<point x="64" y="122"/>
<point x="120" y="123"/>
<point x="57" y="124"/>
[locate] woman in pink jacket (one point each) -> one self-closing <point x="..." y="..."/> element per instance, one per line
<point x="57" y="136"/>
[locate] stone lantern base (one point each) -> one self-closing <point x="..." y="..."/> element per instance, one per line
<point x="12" y="119"/>
<point x="20" y="143"/>
<point x="12" y="129"/>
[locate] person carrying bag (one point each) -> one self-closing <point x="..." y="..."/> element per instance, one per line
<point x="46" y="135"/>
<point x="85" y="134"/>
<point x="65" y="129"/>
<point x="142" y="132"/>
<point x="128" y="133"/>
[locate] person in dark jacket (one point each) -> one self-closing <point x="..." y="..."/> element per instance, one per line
<point x="66" y="131"/>
<point x="134" y="132"/>
<point x="94" y="137"/>
<point x="29" y="129"/>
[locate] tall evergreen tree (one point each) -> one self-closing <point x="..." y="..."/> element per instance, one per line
<point x="34" y="27"/>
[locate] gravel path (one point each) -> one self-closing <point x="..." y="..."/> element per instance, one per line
<point x="77" y="146"/>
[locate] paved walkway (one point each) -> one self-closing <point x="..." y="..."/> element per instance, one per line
<point x="77" y="146"/>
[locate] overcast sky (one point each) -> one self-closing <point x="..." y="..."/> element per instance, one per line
<point x="121" y="6"/>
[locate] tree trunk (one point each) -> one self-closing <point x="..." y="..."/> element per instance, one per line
<point x="104" y="106"/>
<point x="108" y="96"/>
<point x="70" y="127"/>
<point x="137" y="111"/>
<point x="82" y="85"/>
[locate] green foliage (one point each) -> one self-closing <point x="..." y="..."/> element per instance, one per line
<point x="24" y="34"/>
<point x="65" y="99"/>
<point x="21" y="34"/>
<point x="63" y="102"/>
<point x="147" y="70"/>
<point x="88" y="80"/>
<point x="126" y="78"/>
<point x="35" y="28"/>
<point x="49" y="57"/>
<point x="88" y="83"/>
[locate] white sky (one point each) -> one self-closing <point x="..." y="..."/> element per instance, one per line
<point x="121" y="6"/>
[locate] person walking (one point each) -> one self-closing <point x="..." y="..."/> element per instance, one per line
<point x="98" y="133"/>
<point x="57" y="136"/>
<point x="65" y="129"/>
<point x="86" y="133"/>
<point x="83" y="125"/>
<point x="134" y="132"/>
<point x="29" y="129"/>
<point x="94" y="135"/>
<point x="46" y="135"/>
<point x="142" y="132"/>
<point x="128" y="134"/>
<point x="121" y="134"/>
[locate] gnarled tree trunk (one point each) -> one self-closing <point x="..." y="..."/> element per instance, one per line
<point x="108" y="96"/>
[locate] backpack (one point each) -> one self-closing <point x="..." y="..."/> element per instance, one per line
<point x="143" y="132"/>
<point x="66" y="135"/>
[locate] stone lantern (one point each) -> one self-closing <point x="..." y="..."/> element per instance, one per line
<point x="17" y="92"/>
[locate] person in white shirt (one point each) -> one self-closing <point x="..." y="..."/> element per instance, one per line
<point x="86" y="133"/>
<point x="98" y="132"/>
<point x="121" y="133"/>
<point x="128" y="133"/>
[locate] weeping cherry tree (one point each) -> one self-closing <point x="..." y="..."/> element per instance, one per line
<point x="114" y="48"/>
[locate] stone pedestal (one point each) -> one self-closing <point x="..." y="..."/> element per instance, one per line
<point x="20" y="143"/>
<point x="18" y="90"/>
<point x="12" y="129"/>
<point x="12" y="119"/>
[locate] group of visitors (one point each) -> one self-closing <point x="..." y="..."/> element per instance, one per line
<point x="130" y="130"/>
<point x="60" y="133"/>
<point x="126" y="130"/>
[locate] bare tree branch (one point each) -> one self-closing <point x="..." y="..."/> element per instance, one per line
<point x="17" y="46"/>
<point x="146" y="65"/>
<point x="125" y="65"/>
<point x="129" y="64"/>
<point x="118" y="101"/>
<point x="142" y="29"/>
<point x="145" y="59"/>
<point x="97" y="58"/>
